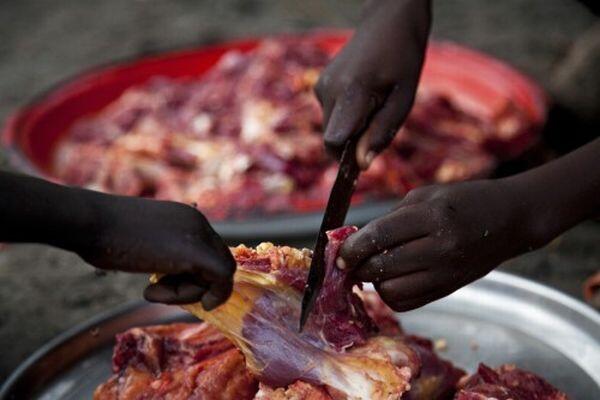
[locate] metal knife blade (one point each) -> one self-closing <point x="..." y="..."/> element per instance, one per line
<point x="335" y="215"/>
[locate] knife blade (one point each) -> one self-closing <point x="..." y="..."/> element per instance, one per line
<point x="334" y="217"/>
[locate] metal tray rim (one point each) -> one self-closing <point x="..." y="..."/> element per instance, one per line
<point x="548" y="292"/>
<point x="63" y="337"/>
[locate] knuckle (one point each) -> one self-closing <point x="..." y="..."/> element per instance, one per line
<point x="443" y="210"/>
<point x="348" y="82"/>
<point x="443" y="204"/>
<point x="434" y="213"/>
<point x="230" y="268"/>
<point x="451" y="244"/>
<point x="225" y="271"/>
<point x="351" y="87"/>
<point x="421" y="193"/>
<point x="415" y="194"/>
<point x="373" y="233"/>
<point x="375" y="268"/>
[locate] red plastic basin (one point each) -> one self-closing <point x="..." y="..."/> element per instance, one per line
<point x="474" y="81"/>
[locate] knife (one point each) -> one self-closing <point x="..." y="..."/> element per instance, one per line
<point x="335" y="214"/>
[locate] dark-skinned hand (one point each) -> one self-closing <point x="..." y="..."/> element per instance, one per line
<point x="439" y="239"/>
<point x="442" y="237"/>
<point x="139" y="235"/>
<point x="122" y="233"/>
<point x="370" y="85"/>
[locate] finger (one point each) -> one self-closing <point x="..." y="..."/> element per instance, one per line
<point x="198" y="259"/>
<point x="364" y="156"/>
<point x="218" y="293"/>
<point x="207" y="257"/>
<point x="223" y="252"/>
<point x="216" y="255"/>
<point x="400" y="226"/>
<point x="415" y="290"/>
<point x="327" y="109"/>
<point x="404" y="259"/>
<point x="387" y="121"/>
<point x="348" y="117"/>
<point x="176" y="289"/>
<point x="327" y="105"/>
<point x="213" y="266"/>
<point x="411" y="304"/>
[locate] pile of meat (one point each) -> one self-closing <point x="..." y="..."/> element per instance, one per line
<point x="246" y="139"/>
<point x="352" y="347"/>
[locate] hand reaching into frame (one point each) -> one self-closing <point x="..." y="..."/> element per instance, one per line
<point x="370" y="85"/>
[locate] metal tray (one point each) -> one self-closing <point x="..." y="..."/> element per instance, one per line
<point x="498" y="319"/>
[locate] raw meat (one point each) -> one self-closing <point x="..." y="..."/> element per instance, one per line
<point x="507" y="383"/>
<point x="246" y="139"/>
<point x="351" y="348"/>
<point x="177" y="361"/>
<point x="340" y="347"/>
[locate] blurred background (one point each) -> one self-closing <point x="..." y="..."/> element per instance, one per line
<point x="45" y="291"/>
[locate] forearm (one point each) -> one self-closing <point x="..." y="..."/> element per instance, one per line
<point x="592" y="5"/>
<point x="33" y="210"/>
<point x="372" y="5"/>
<point x="560" y="194"/>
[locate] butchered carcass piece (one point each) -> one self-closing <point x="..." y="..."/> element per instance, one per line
<point x="353" y="346"/>
<point x="506" y="383"/>
<point x="340" y="348"/>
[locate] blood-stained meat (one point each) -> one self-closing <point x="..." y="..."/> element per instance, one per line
<point x="246" y="139"/>
<point x="341" y="349"/>
<point x="339" y="315"/>
<point x="177" y="361"/>
<point x="352" y="346"/>
<point x="437" y="378"/>
<point x="507" y="383"/>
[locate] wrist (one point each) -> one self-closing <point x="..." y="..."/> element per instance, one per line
<point x="562" y="193"/>
<point x="535" y="226"/>
<point x="81" y="227"/>
<point x="420" y="9"/>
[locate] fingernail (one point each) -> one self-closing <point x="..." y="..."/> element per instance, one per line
<point x="341" y="264"/>
<point x="369" y="158"/>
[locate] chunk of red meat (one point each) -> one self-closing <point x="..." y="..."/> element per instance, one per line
<point x="437" y="378"/>
<point x="339" y="313"/>
<point x="507" y="383"/>
<point x="177" y="361"/>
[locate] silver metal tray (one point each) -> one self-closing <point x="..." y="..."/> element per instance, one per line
<point x="499" y="319"/>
